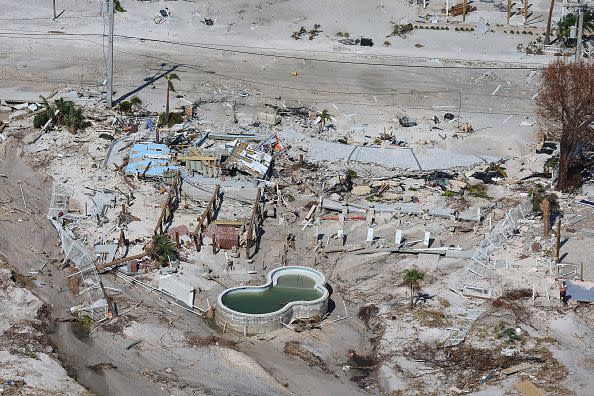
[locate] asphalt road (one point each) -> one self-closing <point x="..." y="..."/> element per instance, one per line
<point x="45" y="61"/>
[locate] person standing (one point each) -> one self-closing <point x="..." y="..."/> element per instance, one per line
<point x="563" y="293"/>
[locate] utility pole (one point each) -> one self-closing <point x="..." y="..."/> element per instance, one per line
<point x="508" y="10"/>
<point x="525" y="11"/>
<point x="54" y="4"/>
<point x="110" y="55"/>
<point x="580" y="32"/>
<point x="464" y="10"/>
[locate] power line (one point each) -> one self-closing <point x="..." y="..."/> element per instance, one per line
<point x="233" y="49"/>
<point x="273" y="85"/>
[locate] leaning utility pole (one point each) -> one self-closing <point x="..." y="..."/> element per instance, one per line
<point x="580" y="32"/>
<point x="110" y="55"/>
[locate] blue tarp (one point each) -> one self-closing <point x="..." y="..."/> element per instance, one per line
<point x="143" y="154"/>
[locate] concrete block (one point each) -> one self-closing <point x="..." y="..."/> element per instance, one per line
<point x="411" y="209"/>
<point x="178" y="288"/>
<point x="443" y="212"/>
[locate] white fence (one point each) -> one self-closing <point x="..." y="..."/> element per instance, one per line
<point x="75" y="251"/>
<point x="480" y="272"/>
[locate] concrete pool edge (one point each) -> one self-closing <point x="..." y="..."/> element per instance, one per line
<point x="246" y="323"/>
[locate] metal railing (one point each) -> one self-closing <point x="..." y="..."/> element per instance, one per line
<point x="480" y="273"/>
<point x="75" y="251"/>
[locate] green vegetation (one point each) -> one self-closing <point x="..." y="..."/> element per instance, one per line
<point x="450" y="193"/>
<point x="62" y="112"/>
<point x="129" y="106"/>
<point x="163" y="249"/>
<point x="508" y="334"/>
<point x="565" y="24"/>
<point x="343" y="34"/>
<point x="479" y="191"/>
<point x="84" y="322"/>
<point x="412" y="278"/>
<point x="117" y="6"/>
<point x="351" y="174"/>
<point x="402" y="30"/>
<point x="538" y="194"/>
<point x="550" y="164"/>
<point x="174" y="118"/>
<point x="497" y="168"/>
<point x="325" y="117"/>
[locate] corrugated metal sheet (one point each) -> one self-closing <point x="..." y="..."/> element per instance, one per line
<point x="143" y="154"/>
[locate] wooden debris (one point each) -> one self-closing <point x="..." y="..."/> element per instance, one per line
<point x="517" y="368"/>
<point x="527" y="388"/>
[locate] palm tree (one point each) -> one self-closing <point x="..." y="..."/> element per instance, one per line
<point x="169" y="78"/>
<point x="325" y="117"/>
<point x="565" y="24"/>
<point x="412" y="277"/>
<point x="548" y="31"/>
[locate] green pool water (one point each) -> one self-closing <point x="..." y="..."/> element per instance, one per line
<point x="288" y="288"/>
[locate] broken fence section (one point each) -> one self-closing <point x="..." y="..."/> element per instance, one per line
<point x="477" y="280"/>
<point x="75" y="251"/>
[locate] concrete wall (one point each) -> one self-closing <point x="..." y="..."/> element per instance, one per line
<point x="245" y="323"/>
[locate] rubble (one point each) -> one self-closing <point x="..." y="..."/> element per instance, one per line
<point x="172" y="217"/>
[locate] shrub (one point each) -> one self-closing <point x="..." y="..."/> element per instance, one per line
<point x="117" y="7"/>
<point x="40" y="119"/>
<point x="387" y="43"/>
<point x="511" y="31"/>
<point x="508" y="334"/>
<point x="456" y="29"/>
<point x="83" y="323"/>
<point x="69" y="115"/>
<point x="163" y="249"/>
<point x="128" y="106"/>
<point x="174" y="118"/>
<point x="351" y="174"/>
<point x="479" y="191"/>
<point x="539" y="194"/>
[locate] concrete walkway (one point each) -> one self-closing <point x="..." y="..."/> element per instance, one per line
<point x="426" y="158"/>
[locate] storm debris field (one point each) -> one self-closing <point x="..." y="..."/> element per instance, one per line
<point x="415" y="238"/>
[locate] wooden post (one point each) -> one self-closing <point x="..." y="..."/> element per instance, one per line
<point x="508" y="10"/>
<point x="122" y="240"/>
<point x="525" y="11"/>
<point x="197" y="242"/>
<point x="464" y="10"/>
<point x="121" y="261"/>
<point x="252" y="224"/>
<point x="545" y="206"/>
<point x="558" y="238"/>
